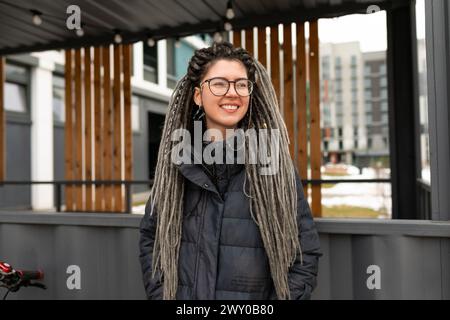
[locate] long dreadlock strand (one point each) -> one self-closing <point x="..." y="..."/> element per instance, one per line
<point x="272" y="198"/>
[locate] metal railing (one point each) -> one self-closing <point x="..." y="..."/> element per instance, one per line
<point x="424" y="189"/>
<point x="58" y="184"/>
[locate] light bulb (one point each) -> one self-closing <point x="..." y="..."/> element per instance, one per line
<point x="227" y="26"/>
<point x="230" y="13"/>
<point x="80" y="32"/>
<point x="37" y="20"/>
<point x="151" y="42"/>
<point x="117" y="38"/>
<point x="217" y="37"/>
<point x="177" y="43"/>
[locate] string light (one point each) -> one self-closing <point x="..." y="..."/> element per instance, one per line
<point x="37" y="20"/>
<point x="177" y="42"/>
<point x="228" y="26"/>
<point x="151" y="42"/>
<point x="118" y="37"/>
<point x="230" y="12"/>
<point x="217" y="37"/>
<point x="80" y="32"/>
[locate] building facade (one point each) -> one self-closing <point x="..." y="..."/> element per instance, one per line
<point x="35" y="115"/>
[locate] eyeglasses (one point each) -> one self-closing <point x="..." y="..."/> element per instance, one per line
<point x="220" y="86"/>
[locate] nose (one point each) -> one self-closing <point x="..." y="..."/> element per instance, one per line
<point x="232" y="90"/>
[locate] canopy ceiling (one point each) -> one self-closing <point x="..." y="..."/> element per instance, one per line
<point x="137" y="20"/>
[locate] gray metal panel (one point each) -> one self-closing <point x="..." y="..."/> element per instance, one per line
<point x="18" y="163"/>
<point x="437" y="27"/>
<point x="414" y="264"/>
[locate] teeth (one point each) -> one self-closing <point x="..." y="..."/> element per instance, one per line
<point x="229" y="107"/>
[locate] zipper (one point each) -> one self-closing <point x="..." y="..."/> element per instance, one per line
<point x="197" y="258"/>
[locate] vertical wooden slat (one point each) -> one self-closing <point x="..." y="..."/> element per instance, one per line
<point x="2" y="120"/>
<point x="128" y="141"/>
<point x="98" y="129"/>
<point x="302" y="142"/>
<point x="117" y="146"/>
<point x="107" y="133"/>
<point x="68" y="132"/>
<point x="288" y="83"/>
<point x="275" y="60"/>
<point x="88" y="126"/>
<point x="249" y="40"/>
<point x="315" y="116"/>
<point x="78" y="131"/>
<point x="237" y="38"/>
<point x="262" y="48"/>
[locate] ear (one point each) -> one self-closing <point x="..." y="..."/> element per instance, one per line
<point x="197" y="96"/>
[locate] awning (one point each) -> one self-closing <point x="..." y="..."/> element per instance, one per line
<point x="137" y="20"/>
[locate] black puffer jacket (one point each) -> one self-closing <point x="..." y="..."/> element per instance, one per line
<point x="222" y="254"/>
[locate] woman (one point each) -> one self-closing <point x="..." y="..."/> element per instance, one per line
<point x="221" y="230"/>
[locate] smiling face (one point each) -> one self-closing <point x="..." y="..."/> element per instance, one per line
<point x="223" y="112"/>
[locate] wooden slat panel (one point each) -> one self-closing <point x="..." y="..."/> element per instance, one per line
<point x="302" y="157"/>
<point x="262" y="49"/>
<point x="2" y="121"/>
<point x="78" y="131"/>
<point x="237" y="38"/>
<point x="117" y="146"/>
<point x="68" y="132"/>
<point x="98" y="128"/>
<point x="107" y="132"/>
<point x="249" y="40"/>
<point x="275" y="61"/>
<point x="88" y="126"/>
<point x="128" y="141"/>
<point x="315" y="116"/>
<point x="288" y="83"/>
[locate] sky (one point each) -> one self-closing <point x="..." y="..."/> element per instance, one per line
<point x="368" y="29"/>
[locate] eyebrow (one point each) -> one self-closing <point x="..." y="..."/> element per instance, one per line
<point x="235" y="79"/>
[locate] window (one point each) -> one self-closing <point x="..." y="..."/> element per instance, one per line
<point x="135" y="113"/>
<point x="338" y="86"/>
<point x="339" y="119"/>
<point x="15" y="97"/>
<point x="383" y="82"/>
<point x="338" y="73"/>
<point x="354" y="95"/>
<point x="382" y="69"/>
<point x="151" y="63"/>
<point x="58" y="99"/>
<point x="337" y="62"/>
<point x="16" y="88"/>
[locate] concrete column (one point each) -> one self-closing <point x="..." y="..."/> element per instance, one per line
<point x="42" y="134"/>
<point x="138" y="60"/>
<point x="162" y="63"/>
<point x="437" y="36"/>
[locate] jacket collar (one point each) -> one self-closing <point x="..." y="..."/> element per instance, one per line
<point x="196" y="172"/>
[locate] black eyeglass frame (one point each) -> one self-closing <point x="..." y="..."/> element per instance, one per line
<point x="229" y="86"/>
